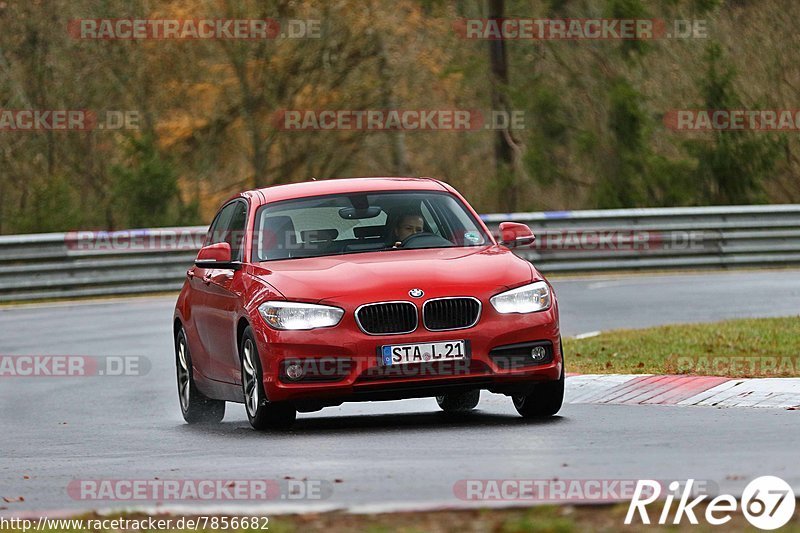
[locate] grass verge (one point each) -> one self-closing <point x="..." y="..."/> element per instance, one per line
<point x="763" y="347"/>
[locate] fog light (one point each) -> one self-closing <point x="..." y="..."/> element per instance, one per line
<point x="538" y="353"/>
<point x="294" y="371"/>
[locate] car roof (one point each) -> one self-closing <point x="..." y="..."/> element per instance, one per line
<point x="276" y="193"/>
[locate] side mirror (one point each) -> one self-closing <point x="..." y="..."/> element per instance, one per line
<point x="216" y="256"/>
<point x="513" y="234"/>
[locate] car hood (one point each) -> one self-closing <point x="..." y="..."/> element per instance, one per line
<point x="390" y="275"/>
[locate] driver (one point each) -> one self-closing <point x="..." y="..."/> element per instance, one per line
<point x="407" y="225"/>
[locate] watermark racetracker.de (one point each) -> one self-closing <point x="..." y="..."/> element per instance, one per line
<point x="559" y="490"/>
<point x="192" y="239"/>
<point x="70" y="366"/>
<point x="397" y="120"/>
<point x="193" y="29"/>
<point x="33" y="120"/>
<point x="618" y="240"/>
<point x="764" y="366"/>
<point x="172" y="490"/>
<point x="135" y="240"/>
<point x="578" y="29"/>
<point x="704" y="120"/>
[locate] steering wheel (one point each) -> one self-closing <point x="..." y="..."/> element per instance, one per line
<point x="424" y="239"/>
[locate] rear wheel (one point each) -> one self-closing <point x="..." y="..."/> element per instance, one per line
<point x="195" y="406"/>
<point x="261" y="413"/>
<point x="459" y="402"/>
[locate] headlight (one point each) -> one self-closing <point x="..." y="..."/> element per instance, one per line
<point x="526" y="299"/>
<point x="298" y="316"/>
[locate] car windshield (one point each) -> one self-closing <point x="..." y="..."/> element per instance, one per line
<point x="363" y="222"/>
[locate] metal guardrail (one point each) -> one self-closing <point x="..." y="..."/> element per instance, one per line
<point x="685" y="237"/>
<point x="58" y="265"/>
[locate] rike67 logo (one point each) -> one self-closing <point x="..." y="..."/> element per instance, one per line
<point x="768" y="503"/>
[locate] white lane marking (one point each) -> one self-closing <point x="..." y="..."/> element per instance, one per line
<point x="604" y="284"/>
<point x="587" y="335"/>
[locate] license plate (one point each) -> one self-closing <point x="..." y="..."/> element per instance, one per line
<point x="423" y="352"/>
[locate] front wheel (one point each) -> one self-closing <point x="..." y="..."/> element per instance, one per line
<point x="544" y="401"/>
<point x="460" y="402"/>
<point x="261" y="413"/>
<point x="195" y="407"/>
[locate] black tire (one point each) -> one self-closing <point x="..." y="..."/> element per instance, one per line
<point x="261" y="413"/>
<point x="195" y="406"/>
<point x="545" y="400"/>
<point x="459" y="402"/>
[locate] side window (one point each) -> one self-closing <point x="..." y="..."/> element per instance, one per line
<point x="229" y="226"/>
<point x="216" y="233"/>
<point x="236" y="229"/>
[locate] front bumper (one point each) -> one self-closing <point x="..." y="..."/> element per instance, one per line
<point x="353" y="371"/>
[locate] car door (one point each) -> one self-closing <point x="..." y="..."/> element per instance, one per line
<point x="218" y="293"/>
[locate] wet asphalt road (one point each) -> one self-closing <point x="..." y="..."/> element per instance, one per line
<point x="387" y="454"/>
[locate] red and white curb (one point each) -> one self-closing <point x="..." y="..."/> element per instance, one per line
<point x="713" y="391"/>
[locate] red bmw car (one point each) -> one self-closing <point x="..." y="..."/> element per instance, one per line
<point x="312" y="294"/>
